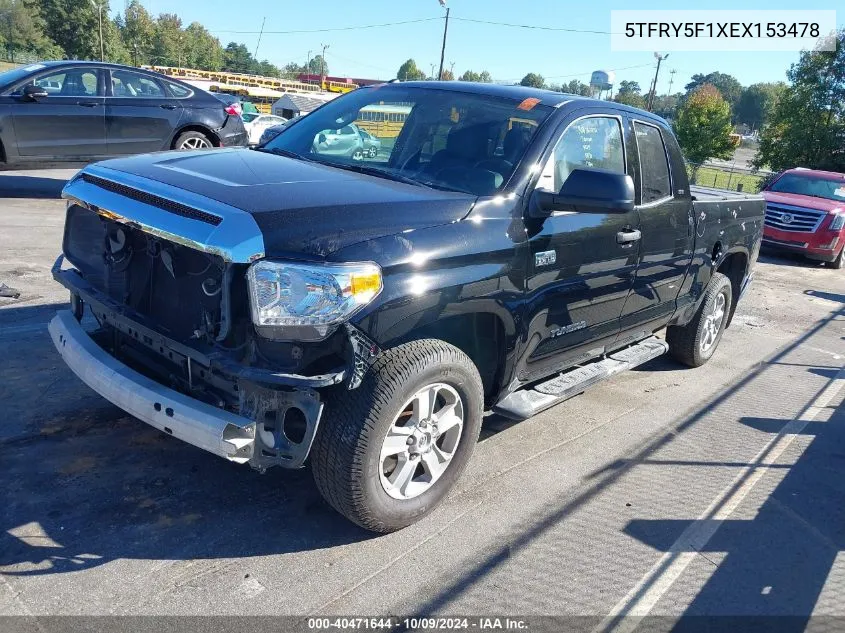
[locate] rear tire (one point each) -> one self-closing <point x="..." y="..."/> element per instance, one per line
<point x="192" y="140"/>
<point x="693" y="344"/>
<point x="352" y="460"/>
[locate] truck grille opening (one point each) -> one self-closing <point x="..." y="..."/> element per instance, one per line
<point x="793" y="218"/>
<point x="177" y="288"/>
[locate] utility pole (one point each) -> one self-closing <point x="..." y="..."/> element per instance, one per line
<point x="432" y="70"/>
<point x="323" y="67"/>
<point x="452" y="69"/>
<point x="260" y="33"/>
<point x="651" y="96"/>
<point x="671" y="79"/>
<point x="308" y="64"/>
<point x="99" y="6"/>
<point x="443" y="48"/>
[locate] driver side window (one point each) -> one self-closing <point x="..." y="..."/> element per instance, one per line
<point x="589" y="142"/>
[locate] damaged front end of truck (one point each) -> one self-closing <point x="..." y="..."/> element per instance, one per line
<point x="181" y="341"/>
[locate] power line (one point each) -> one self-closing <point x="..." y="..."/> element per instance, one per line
<point x="533" y="27"/>
<point x="341" y="28"/>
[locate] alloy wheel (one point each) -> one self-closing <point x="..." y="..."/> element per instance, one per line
<point x="421" y="441"/>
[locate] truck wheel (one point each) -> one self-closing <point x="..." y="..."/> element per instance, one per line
<point x="694" y="343"/>
<point x="387" y="452"/>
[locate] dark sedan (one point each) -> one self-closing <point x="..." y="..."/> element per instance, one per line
<point x="82" y="111"/>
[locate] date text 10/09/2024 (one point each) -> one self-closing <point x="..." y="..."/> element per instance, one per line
<point x="417" y="624"/>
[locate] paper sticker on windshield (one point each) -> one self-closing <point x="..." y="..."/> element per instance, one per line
<point x="839" y="193"/>
<point x="29" y="69"/>
<point x="528" y="104"/>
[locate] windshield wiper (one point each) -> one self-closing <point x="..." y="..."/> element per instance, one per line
<point x="280" y="151"/>
<point x="392" y="175"/>
<point x="381" y="173"/>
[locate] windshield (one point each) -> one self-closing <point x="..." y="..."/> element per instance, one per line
<point x="16" y="74"/>
<point x="810" y="186"/>
<point x="450" y="140"/>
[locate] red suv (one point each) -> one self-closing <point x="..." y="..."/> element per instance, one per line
<point x="805" y="213"/>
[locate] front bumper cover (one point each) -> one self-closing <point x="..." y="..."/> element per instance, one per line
<point x="215" y="430"/>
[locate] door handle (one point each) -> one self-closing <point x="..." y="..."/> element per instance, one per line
<point x="628" y="236"/>
<point x="88" y="104"/>
<point x="167" y="106"/>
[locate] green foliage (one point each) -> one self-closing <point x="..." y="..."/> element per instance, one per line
<point x="703" y="126"/>
<point x="576" y="87"/>
<point x="727" y="85"/>
<point x="667" y="105"/>
<point x="22" y="32"/>
<point x="629" y="94"/>
<point x="137" y="29"/>
<point x="534" y="80"/>
<point x="409" y="72"/>
<point x="471" y="75"/>
<point x="757" y="102"/>
<point x="807" y="124"/>
<point x="73" y="25"/>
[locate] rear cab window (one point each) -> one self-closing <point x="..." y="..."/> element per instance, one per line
<point x="655" y="178"/>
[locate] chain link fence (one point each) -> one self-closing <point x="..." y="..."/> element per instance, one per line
<point x="729" y="177"/>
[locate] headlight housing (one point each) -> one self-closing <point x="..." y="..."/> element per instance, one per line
<point x="305" y="302"/>
<point x="838" y="221"/>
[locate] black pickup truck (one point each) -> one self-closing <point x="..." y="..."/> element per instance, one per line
<point x="505" y="249"/>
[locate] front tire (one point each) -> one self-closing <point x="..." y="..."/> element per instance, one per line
<point x="839" y="262"/>
<point x="389" y="451"/>
<point x="694" y="343"/>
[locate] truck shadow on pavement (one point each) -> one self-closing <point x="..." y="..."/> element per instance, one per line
<point x="84" y="483"/>
<point x="20" y="186"/>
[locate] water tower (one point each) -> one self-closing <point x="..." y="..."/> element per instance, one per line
<point x="602" y="81"/>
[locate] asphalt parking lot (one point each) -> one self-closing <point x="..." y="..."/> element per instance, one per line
<point x="667" y="491"/>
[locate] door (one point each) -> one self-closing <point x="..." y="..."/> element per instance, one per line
<point x="666" y="228"/>
<point x="140" y="115"/>
<point x="578" y="274"/>
<point x="69" y="122"/>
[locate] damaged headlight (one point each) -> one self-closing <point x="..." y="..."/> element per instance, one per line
<point x="305" y="301"/>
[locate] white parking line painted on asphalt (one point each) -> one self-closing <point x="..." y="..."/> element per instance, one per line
<point x="642" y="598"/>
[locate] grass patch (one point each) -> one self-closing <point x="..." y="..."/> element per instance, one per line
<point x="724" y="179"/>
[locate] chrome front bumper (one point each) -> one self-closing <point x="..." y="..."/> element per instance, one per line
<point x="214" y="430"/>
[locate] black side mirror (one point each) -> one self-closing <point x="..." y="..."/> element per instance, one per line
<point x="587" y="190"/>
<point x="32" y="92"/>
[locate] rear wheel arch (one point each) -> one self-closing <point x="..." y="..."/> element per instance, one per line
<point x="215" y="140"/>
<point x="734" y="266"/>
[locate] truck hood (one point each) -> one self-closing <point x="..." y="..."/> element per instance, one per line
<point x="806" y="202"/>
<point x="298" y="206"/>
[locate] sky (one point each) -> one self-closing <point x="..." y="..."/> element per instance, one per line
<point x="507" y="53"/>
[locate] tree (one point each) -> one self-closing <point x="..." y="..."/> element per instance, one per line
<point x="534" y="80"/>
<point x="22" y="31"/>
<point x="756" y="103"/>
<point x="448" y="75"/>
<point x="318" y="65"/>
<point x="807" y="124"/>
<point x="667" y="105"/>
<point x="471" y="75"/>
<point x="704" y="126"/>
<point x="577" y="87"/>
<point x="137" y="29"/>
<point x="168" y="47"/>
<point x="202" y="49"/>
<point x="237" y="58"/>
<point x="73" y="25"/>
<point x="629" y="94"/>
<point x="727" y="85"/>
<point x="409" y="72"/>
